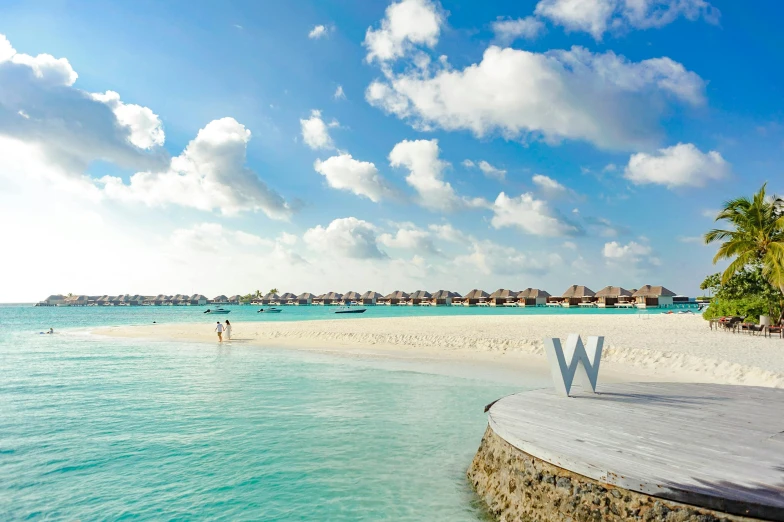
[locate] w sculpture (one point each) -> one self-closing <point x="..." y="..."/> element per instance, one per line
<point x="574" y="361"/>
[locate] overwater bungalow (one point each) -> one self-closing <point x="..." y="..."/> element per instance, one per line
<point x="235" y="299"/>
<point x="75" y="300"/>
<point x="319" y="299"/>
<point x="395" y="298"/>
<point x="53" y="300"/>
<point x="612" y="296"/>
<point x="269" y="298"/>
<point x="304" y="299"/>
<point x="220" y="300"/>
<point x="503" y="297"/>
<point x="350" y="298"/>
<point x="653" y="296"/>
<point x="419" y="297"/>
<point x="533" y="297"/>
<point x="332" y="298"/>
<point x="103" y="300"/>
<point x="578" y="295"/>
<point x="288" y="298"/>
<point x="445" y="298"/>
<point x="370" y="298"/>
<point x="475" y="297"/>
<point x="197" y="300"/>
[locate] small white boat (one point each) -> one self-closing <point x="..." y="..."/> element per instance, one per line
<point x="270" y="310"/>
<point x="350" y="310"/>
<point x="217" y="311"/>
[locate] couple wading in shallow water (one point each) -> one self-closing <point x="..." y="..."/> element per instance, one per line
<point x="221" y="328"/>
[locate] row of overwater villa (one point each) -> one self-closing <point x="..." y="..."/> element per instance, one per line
<point x="575" y="296"/>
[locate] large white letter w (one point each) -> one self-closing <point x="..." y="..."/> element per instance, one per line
<point x="573" y="361"/>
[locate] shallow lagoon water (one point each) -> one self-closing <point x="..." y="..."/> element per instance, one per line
<point x="95" y="428"/>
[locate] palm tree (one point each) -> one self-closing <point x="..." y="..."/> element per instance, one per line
<point x="755" y="237"/>
<point x="274" y="291"/>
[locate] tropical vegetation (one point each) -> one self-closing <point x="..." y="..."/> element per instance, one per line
<point x="753" y="243"/>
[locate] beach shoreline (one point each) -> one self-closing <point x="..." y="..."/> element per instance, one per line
<point x="679" y="348"/>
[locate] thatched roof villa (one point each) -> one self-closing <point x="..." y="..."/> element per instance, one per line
<point x="532" y="297"/>
<point x="648" y="296"/>
<point x="503" y="297"/>
<point x="288" y="298"/>
<point x="577" y="295"/>
<point x="370" y="298"/>
<point x="270" y="297"/>
<point x="394" y="298"/>
<point x="350" y="297"/>
<point x="304" y="299"/>
<point x="419" y="297"/>
<point x="475" y="297"/>
<point x="445" y="298"/>
<point x="611" y="296"/>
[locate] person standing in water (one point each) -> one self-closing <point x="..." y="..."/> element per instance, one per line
<point x="228" y="330"/>
<point x="219" y="329"/>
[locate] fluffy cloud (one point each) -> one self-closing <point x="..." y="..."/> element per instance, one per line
<point x="507" y="31"/>
<point x="487" y="169"/>
<point x="145" y="126"/>
<point x="315" y="132"/>
<point x="410" y="237"/>
<point x="448" y="233"/>
<point x="40" y="105"/>
<point x="532" y="216"/>
<point x="345" y="237"/>
<point x="425" y="168"/>
<point x="339" y="94"/>
<point x="549" y="186"/>
<point x="210" y="174"/>
<point x="406" y="24"/>
<point x="677" y="166"/>
<point x="318" y="31"/>
<point x="601" y="98"/>
<point x="343" y="172"/>
<point x="491" y="258"/>
<point x="598" y="16"/>
<point x="631" y="253"/>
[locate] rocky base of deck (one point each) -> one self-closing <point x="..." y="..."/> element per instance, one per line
<point x="516" y="486"/>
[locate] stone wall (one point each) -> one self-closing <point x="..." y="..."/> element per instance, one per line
<point x="516" y="486"/>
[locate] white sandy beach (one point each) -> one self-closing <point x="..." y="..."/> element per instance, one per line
<point x="658" y="347"/>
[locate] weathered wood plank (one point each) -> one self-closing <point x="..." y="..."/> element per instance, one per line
<point x="716" y="446"/>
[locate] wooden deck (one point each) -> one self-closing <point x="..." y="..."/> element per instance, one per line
<point x="714" y="446"/>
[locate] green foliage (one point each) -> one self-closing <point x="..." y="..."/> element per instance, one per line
<point x="748" y="293"/>
<point x="754" y="244"/>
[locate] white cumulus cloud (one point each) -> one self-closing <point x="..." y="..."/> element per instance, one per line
<point x="421" y="158"/>
<point x="601" y="98"/>
<point x="343" y="172"/>
<point x="345" y="237"/>
<point x="531" y="215"/>
<point x="210" y="174"/>
<point x="318" y="31"/>
<point x="315" y="132"/>
<point x="410" y="237"/>
<point x="677" y="166"/>
<point x="599" y="16"/>
<point x="507" y="31"/>
<point x="630" y="253"/>
<point x="406" y="24"/>
<point x="491" y="171"/>
<point x="40" y="105"/>
<point x="339" y="94"/>
<point x="549" y="186"/>
<point x="145" y="126"/>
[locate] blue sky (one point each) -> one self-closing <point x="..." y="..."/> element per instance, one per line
<point x="613" y="133"/>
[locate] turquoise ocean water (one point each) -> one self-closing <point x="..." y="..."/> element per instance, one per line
<point x="98" y="429"/>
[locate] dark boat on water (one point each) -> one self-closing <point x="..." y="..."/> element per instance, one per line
<point x="350" y="310"/>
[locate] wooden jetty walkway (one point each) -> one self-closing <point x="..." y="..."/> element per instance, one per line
<point x="712" y="446"/>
